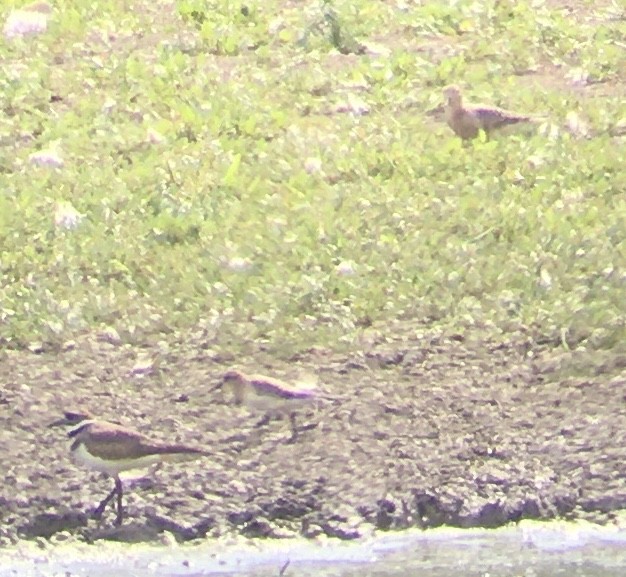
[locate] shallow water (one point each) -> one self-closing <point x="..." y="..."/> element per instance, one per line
<point x="528" y="549"/>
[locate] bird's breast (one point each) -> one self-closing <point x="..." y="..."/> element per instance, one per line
<point x="82" y="455"/>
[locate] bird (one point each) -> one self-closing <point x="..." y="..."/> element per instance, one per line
<point x="269" y="394"/>
<point x="467" y="120"/>
<point x="112" y="449"/>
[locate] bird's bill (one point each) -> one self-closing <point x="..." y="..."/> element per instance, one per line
<point x="70" y="418"/>
<point x="64" y="422"/>
<point x="217" y="387"/>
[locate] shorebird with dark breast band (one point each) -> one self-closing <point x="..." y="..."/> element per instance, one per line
<point x="113" y="449"/>
<point x="270" y="395"/>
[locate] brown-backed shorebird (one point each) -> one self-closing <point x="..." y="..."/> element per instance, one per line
<point x="467" y="120"/>
<point x="113" y="449"/>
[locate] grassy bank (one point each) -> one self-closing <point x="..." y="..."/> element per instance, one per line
<point x="270" y="171"/>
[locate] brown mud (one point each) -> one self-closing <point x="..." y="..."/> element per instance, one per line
<point x="427" y="429"/>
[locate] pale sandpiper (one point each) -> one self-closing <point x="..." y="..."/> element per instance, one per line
<point x="271" y="395"/>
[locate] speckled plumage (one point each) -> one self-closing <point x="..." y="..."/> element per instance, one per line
<point x="467" y="120"/>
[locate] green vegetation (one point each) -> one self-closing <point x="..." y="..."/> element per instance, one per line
<point x="300" y="191"/>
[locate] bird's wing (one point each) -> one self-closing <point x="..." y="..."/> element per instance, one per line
<point x="110" y="441"/>
<point x="492" y="117"/>
<point x="279" y="388"/>
<point x="115" y="443"/>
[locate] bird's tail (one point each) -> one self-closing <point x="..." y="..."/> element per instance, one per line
<point x="179" y="453"/>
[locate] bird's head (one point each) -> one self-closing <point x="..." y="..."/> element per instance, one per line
<point x="452" y="95"/>
<point x="233" y="376"/>
<point x="72" y="418"/>
<point x="236" y="382"/>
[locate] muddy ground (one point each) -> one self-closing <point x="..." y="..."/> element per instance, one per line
<point x="427" y="429"/>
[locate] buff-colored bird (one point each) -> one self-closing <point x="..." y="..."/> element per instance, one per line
<point x="270" y="395"/>
<point x="467" y="121"/>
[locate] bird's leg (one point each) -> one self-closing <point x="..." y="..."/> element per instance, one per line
<point x="97" y="514"/>
<point x="294" y="429"/>
<point x="120" y="492"/>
